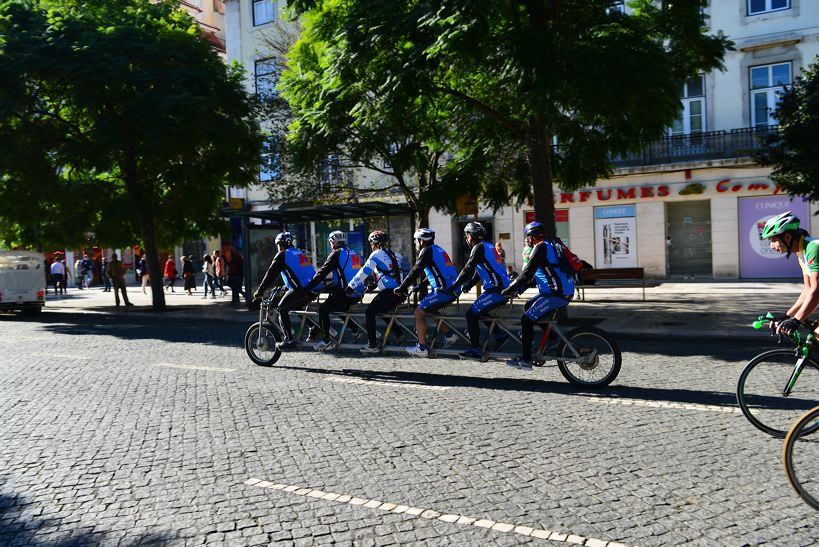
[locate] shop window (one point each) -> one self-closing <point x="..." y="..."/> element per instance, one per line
<point x="767" y="83"/>
<point x="264" y="11"/>
<point x="756" y="7"/>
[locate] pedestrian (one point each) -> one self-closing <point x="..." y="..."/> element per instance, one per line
<point x="219" y="272"/>
<point x="236" y="276"/>
<point x="208" y="270"/>
<point x="66" y="277"/>
<point x="187" y="274"/>
<point x="86" y="270"/>
<point x="104" y="273"/>
<point x="501" y="252"/>
<point x="116" y="272"/>
<point x="510" y="271"/>
<point x="143" y="272"/>
<point x="57" y="275"/>
<point x="170" y="273"/>
<point x="77" y="273"/>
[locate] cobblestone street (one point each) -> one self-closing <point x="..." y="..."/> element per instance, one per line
<point x="132" y="430"/>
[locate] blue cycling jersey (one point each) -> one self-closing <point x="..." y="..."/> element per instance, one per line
<point x="297" y="271"/>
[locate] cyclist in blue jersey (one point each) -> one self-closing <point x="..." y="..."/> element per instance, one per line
<point x="436" y="264"/>
<point x="296" y="271"/>
<point x="344" y="264"/>
<point x="384" y="265"/>
<point x="484" y="264"/>
<point x="555" y="282"/>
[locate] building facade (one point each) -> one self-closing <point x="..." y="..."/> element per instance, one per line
<point x="691" y="205"/>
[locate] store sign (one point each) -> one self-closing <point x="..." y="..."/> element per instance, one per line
<point x="665" y="191"/>
<point x="615" y="237"/>
<point x="561" y="215"/>
<point x="756" y="259"/>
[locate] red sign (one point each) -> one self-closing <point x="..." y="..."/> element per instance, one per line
<point x="561" y="215"/>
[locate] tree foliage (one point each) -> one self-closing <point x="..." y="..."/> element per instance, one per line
<point x="522" y="74"/>
<point x="141" y="111"/>
<point x="794" y="150"/>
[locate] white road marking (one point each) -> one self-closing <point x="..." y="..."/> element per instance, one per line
<point x="419" y="512"/>
<point x="193" y="367"/>
<point x="665" y="404"/>
<point x="388" y="384"/>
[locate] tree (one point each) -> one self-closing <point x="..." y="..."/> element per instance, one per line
<point x="794" y="150"/>
<point x="532" y="72"/>
<point x="156" y="117"/>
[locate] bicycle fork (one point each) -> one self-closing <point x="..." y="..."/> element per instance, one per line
<point x="799" y="366"/>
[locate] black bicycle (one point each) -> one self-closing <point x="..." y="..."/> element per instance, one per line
<point x="778" y="386"/>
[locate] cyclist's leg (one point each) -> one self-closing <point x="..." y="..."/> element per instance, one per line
<point x="538" y="308"/>
<point x="486" y="302"/>
<point x="430" y="304"/>
<point x="338" y="302"/>
<point x="383" y="302"/>
<point x="291" y="300"/>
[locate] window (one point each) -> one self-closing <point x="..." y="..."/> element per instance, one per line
<point x="619" y="7"/>
<point x="266" y="76"/>
<point x="755" y="7"/>
<point x="271" y="161"/>
<point x="767" y="83"/>
<point x="264" y="11"/>
<point x="330" y="172"/>
<point x="692" y="117"/>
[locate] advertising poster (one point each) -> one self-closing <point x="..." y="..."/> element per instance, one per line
<point x="756" y="259"/>
<point x="615" y="237"/>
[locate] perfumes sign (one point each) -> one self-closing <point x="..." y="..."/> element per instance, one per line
<point x="615" y="237"/>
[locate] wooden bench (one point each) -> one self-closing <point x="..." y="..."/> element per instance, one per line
<point x="591" y="278"/>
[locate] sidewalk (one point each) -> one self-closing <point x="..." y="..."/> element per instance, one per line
<point x="691" y="309"/>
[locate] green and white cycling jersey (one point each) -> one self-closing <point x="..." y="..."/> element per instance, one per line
<point x="808" y="255"/>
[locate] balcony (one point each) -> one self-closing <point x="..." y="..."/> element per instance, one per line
<point x="708" y="146"/>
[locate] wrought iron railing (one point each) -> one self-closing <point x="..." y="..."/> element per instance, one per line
<point x="711" y="145"/>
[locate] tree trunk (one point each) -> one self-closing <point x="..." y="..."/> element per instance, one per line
<point x="538" y="150"/>
<point x="147" y="223"/>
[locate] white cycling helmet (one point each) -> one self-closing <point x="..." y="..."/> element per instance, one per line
<point x="337" y="236"/>
<point x="424" y="234"/>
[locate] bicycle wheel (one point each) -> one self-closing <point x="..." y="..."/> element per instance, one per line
<point x="601" y="358"/>
<point x="800" y="455"/>
<point x="759" y="391"/>
<point x="261" y="344"/>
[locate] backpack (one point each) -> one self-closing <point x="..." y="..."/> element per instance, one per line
<point x="568" y="260"/>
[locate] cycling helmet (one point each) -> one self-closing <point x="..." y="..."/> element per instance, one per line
<point x="475" y="229"/>
<point x="380" y="237"/>
<point x="337" y="236"/>
<point x="424" y="234"/>
<point x="285" y="237"/>
<point x="780" y="224"/>
<point x="534" y="229"/>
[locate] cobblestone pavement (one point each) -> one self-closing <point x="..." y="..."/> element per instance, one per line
<point x="136" y="430"/>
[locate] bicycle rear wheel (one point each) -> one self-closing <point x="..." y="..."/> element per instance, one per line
<point x="600" y="358"/>
<point x="261" y="344"/>
<point x="759" y="391"/>
<point x="800" y="455"/>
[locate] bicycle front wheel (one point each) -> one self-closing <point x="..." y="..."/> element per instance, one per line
<point x="800" y="455"/>
<point x="261" y="344"/>
<point x="760" y="387"/>
<point x="598" y="358"/>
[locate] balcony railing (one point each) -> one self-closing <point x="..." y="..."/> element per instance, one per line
<point x="711" y="145"/>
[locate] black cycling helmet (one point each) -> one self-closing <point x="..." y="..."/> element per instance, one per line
<point x="534" y="229"/>
<point x="379" y="237"/>
<point x="285" y="237"/>
<point x="475" y="229"/>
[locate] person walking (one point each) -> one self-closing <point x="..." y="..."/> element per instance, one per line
<point x="170" y="273"/>
<point x="116" y="272"/>
<point x="501" y="252"/>
<point x="187" y="274"/>
<point x="236" y="276"/>
<point x="219" y="272"/>
<point x="143" y="272"/>
<point x="208" y="270"/>
<point x="104" y="274"/>
<point x="77" y="275"/>
<point x="86" y="270"/>
<point x="57" y="275"/>
<point x="66" y="277"/>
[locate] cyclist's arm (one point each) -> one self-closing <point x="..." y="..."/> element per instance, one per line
<point x="808" y="301"/>
<point x="468" y="271"/>
<point x="358" y="279"/>
<point x="324" y="271"/>
<point x="526" y="275"/>
<point x="275" y="269"/>
<point x="424" y="260"/>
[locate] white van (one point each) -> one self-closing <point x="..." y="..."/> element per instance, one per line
<point x="22" y="281"/>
